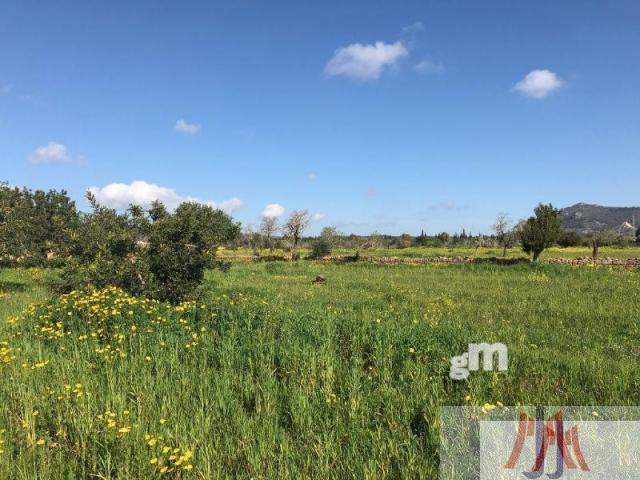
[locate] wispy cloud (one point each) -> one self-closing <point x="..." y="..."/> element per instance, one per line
<point x="52" y="152"/>
<point x="413" y="28"/>
<point x="539" y="83"/>
<point x="365" y="62"/>
<point x="141" y="193"/>
<point x="426" y="67"/>
<point x="318" y="216"/>
<point x="186" y="128"/>
<point x="273" y="210"/>
<point x="446" y="206"/>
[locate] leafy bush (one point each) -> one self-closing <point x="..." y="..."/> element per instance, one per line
<point x="321" y="248"/>
<point x="35" y="226"/>
<point x="570" y="239"/>
<point x="158" y="254"/>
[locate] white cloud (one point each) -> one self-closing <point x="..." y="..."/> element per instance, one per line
<point x="228" y="206"/>
<point x="52" y="152"/>
<point x="365" y="62"/>
<point x="182" y="126"/>
<point x="414" y="27"/>
<point x="539" y="83"/>
<point x="273" y="210"/>
<point x="121" y="195"/>
<point x="318" y="216"/>
<point x="427" y="66"/>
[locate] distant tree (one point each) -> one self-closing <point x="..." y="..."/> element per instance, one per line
<point x="504" y="234"/>
<point x="638" y="235"/>
<point x="405" y="241"/>
<point x="569" y="238"/>
<point x="422" y="239"/>
<point x="254" y="239"/>
<point x="294" y="228"/>
<point x="324" y="243"/>
<point x="602" y="237"/>
<point x="540" y="231"/>
<point x="443" y="238"/>
<point x="373" y="241"/>
<point x="268" y="229"/>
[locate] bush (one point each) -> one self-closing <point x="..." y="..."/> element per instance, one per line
<point x="321" y="248"/>
<point x="157" y="254"/>
<point x="570" y="239"/>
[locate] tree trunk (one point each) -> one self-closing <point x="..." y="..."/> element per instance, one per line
<point x="504" y="252"/>
<point x="596" y="247"/>
<point x="536" y="254"/>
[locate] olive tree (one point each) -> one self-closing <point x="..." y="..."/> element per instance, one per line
<point x="268" y="228"/>
<point x="294" y="228"/>
<point x="323" y="245"/>
<point x="504" y="235"/>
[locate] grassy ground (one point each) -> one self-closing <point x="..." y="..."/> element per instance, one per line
<point x="274" y="377"/>
<point x="421" y="252"/>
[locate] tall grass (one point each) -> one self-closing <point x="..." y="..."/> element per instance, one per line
<point x="271" y="376"/>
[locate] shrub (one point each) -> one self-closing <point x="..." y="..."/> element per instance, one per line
<point x="321" y="248"/>
<point x="158" y="254"/>
<point x="570" y="239"/>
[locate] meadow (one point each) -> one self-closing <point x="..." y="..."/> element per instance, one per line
<point x="270" y="376"/>
<point x="462" y="251"/>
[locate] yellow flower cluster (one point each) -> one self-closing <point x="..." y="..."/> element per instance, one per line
<point x="439" y="309"/>
<point x="118" y="424"/>
<point x="6" y="353"/>
<point x="36" y="365"/>
<point x="538" y="277"/>
<point x="67" y="392"/>
<point x="109" y="318"/>
<point x="168" y="459"/>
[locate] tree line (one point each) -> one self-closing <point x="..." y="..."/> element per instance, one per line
<point x="163" y="254"/>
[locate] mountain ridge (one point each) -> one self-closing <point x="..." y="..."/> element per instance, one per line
<point x="588" y="218"/>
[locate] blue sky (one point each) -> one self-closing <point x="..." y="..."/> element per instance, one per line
<point x="388" y="116"/>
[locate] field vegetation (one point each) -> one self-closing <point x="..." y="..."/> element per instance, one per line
<point x="267" y="375"/>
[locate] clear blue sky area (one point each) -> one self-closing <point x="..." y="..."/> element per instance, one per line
<point x="388" y="116"/>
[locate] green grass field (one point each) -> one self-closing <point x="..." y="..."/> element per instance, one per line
<point x="484" y="252"/>
<point x="272" y="377"/>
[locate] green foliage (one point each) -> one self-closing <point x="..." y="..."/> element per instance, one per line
<point x="158" y="254"/>
<point x="570" y="238"/>
<point x="540" y="231"/>
<point x="443" y="238"/>
<point x="321" y="248"/>
<point x="638" y="235"/>
<point x="35" y="226"/>
<point x="355" y="370"/>
<point x="323" y="245"/>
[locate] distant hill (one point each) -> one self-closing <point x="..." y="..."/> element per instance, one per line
<point x="585" y="218"/>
